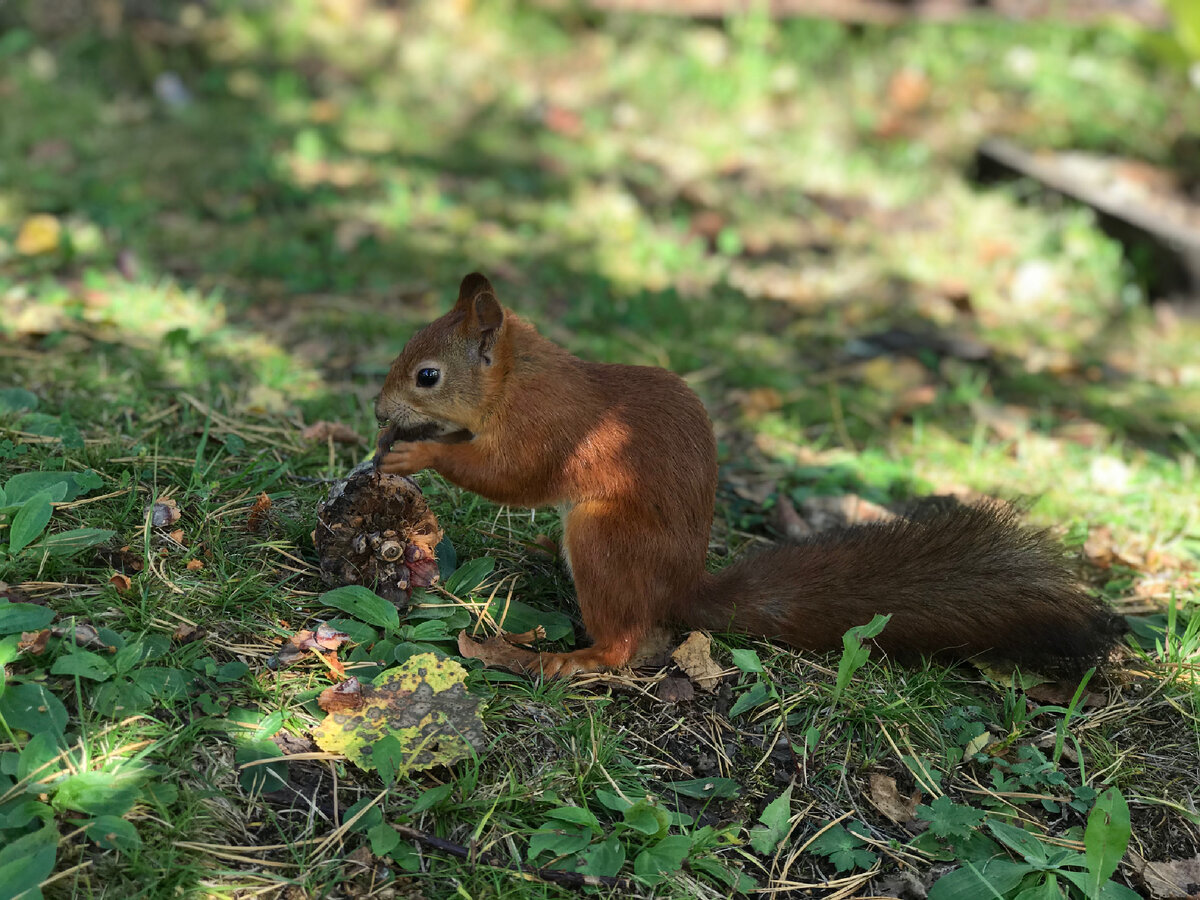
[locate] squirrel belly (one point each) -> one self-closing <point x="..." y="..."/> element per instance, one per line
<point x="628" y="454"/>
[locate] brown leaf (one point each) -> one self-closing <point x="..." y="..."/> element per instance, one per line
<point x="497" y="653"/>
<point x="328" y="637"/>
<point x="694" y="656"/>
<point x="187" y="632"/>
<point x="1059" y="693"/>
<point x="563" y="121"/>
<point x="85" y="636"/>
<point x="121" y="582"/>
<point x="886" y="798"/>
<point x="195" y="565"/>
<point x="537" y="633"/>
<point x="908" y="90"/>
<point x="1175" y="879"/>
<point x="321" y="432"/>
<point x="177" y="536"/>
<point x="163" y="512"/>
<point x="335" y="664"/>
<point x="788" y="522"/>
<point x="259" y="512"/>
<point x="543" y="546"/>
<point x="16" y="595"/>
<point x="675" y="690"/>
<point x="34" y="641"/>
<point x="341" y="697"/>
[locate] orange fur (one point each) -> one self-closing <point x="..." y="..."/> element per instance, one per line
<point x="629" y="453"/>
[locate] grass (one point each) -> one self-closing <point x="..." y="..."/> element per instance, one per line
<point x="747" y="203"/>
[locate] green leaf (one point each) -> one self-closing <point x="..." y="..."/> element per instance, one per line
<point x="994" y="878"/>
<point x="113" y="833"/>
<point x="447" y="558"/>
<point x="430" y="798"/>
<point x="703" y="788"/>
<point x="231" y="671"/>
<point x="20" y="488"/>
<point x="755" y="696"/>
<point x="646" y="818"/>
<point x="854" y="654"/>
<point x="66" y="543"/>
<point x="30" y="520"/>
<point x="39" y="758"/>
<point x="665" y="856"/>
<point x="575" y="816"/>
<point x="98" y="793"/>
<point x="1110" y="890"/>
<point x="162" y="683"/>
<point x="774" y="819"/>
<point x="842" y="848"/>
<point x="611" y="801"/>
<point x="27" y="862"/>
<point x="364" y="605"/>
<point x="469" y="575"/>
<point x="383" y="838"/>
<point x="603" y="858"/>
<point x="84" y="664"/>
<point x="558" y="841"/>
<point x="1106" y="837"/>
<point x="516" y="617"/>
<point x="19" y="812"/>
<point x="32" y="709"/>
<point x="747" y="660"/>
<point x="262" y="778"/>
<point x="15" y="399"/>
<point x="949" y="819"/>
<point x="1025" y="844"/>
<point x="18" y="617"/>
<point x="1044" y="888"/>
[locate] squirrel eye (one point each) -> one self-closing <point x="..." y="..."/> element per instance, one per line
<point x="428" y="377"/>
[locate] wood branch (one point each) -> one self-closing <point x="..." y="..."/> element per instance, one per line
<point x="554" y="876"/>
<point x="892" y="12"/>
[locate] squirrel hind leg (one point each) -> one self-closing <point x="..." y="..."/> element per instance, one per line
<point x="597" y="658"/>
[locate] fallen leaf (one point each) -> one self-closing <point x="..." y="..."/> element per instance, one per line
<point x="186" y="633"/>
<point x="39" y="234"/>
<point x="694" y="656"/>
<point x="121" y="582"/>
<point x="163" y="512"/>
<point x="822" y="513"/>
<point x="259" y="512"/>
<point x="320" y="432"/>
<point x="673" y="689"/>
<point x="496" y="652"/>
<point x="335" y="665"/>
<point x="16" y="595"/>
<point x="908" y="90"/>
<point x="195" y="565"/>
<point x="423" y="704"/>
<point x="323" y="639"/>
<point x="177" y="536"/>
<point x="84" y="636"/>
<point x="341" y="697"/>
<point x="788" y="522"/>
<point x="1059" y="693"/>
<point x="886" y="798"/>
<point x="537" y="633"/>
<point x="1176" y="879"/>
<point x="34" y="641"/>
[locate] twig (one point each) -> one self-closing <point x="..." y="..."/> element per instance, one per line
<point x="554" y="876"/>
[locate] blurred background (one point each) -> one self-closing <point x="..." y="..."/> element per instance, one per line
<point x="923" y="244"/>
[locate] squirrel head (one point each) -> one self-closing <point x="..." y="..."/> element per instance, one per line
<point x="438" y="387"/>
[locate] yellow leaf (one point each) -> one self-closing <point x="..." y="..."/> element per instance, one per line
<point x="423" y="703"/>
<point x="39" y="234"/>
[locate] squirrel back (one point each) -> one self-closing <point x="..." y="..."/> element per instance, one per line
<point x="628" y="454"/>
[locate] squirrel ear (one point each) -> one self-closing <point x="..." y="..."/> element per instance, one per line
<point x="472" y="286"/>
<point x="489" y="316"/>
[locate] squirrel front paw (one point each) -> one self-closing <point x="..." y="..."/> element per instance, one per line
<point x="405" y="459"/>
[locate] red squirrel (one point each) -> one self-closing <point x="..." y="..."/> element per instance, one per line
<point x="628" y="454"/>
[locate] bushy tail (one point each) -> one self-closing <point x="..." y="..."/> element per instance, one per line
<point x="967" y="581"/>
